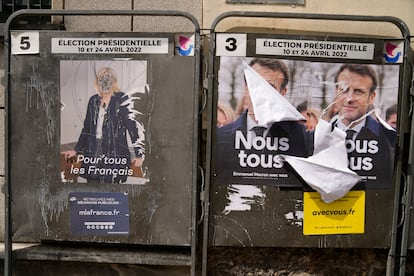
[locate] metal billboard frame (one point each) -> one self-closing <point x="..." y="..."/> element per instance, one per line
<point x="8" y="256"/>
<point x="403" y="187"/>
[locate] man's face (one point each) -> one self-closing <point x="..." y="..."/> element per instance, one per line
<point x="352" y="96"/>
<point x="274" y="78"/>
<point x="392" y="120"/>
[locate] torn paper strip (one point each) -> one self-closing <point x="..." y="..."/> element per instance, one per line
<point x="327" y="170"/>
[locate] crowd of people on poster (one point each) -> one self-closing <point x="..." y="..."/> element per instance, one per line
<point x="360" y="99"/>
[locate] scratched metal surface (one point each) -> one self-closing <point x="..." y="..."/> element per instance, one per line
<point x="160" y="211"/>
<point x="274" y="218"/>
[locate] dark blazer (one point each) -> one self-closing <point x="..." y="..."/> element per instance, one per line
<point x="230" y="167"/>
<point x="372" y="153"/>
<point x="114" y="138"/>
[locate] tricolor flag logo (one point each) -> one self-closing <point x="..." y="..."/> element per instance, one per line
<point x="393" y="52"/>
<point x="184" y="45"/>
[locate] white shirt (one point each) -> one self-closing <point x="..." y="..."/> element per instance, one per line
<point x="251" y="124"/>
<point x="99" y="124"/>
<point x="357" y="128"/>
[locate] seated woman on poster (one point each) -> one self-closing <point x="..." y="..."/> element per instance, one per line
<point x="102" y="147"/>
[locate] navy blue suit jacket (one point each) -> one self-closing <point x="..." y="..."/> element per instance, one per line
<point x="372" y="153"/>
<point x="114" y="138"/>
<point x="289" y="138"/>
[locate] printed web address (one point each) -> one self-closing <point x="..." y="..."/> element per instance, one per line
<point x="92" y="212"/>
<point x="334" y="212"/>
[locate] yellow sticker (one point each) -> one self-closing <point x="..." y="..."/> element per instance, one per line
<point x="343" y="216"/>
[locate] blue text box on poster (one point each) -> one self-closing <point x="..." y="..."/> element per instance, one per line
<point x="97" y="214"/>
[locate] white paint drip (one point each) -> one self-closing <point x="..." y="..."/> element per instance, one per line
<point x="129" y="103"/>
<point x="44" y="92"/>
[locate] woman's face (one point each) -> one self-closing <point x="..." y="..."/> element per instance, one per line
<point x="105" y="82"/>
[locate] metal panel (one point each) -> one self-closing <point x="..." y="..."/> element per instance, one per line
<point x="165" y="182"/>
<point x="254" y="211"/>
<point x="49" y="91"/>
<point x="407" y="214"/>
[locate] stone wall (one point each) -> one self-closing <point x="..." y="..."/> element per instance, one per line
<point x="225" y="261"/>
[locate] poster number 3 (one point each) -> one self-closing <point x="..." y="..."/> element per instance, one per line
<point x="231" y="45"/>
<point x="25" y="43"/>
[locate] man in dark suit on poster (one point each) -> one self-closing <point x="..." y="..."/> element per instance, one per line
<point x="370" y="144"/>
<point x="246" y="152"/>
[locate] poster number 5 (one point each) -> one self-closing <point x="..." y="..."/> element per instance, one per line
<point x="231" y="45"/>
<point x="24" y="43"/>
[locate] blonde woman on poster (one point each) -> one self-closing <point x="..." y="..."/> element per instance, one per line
<point x="102" y="147"/>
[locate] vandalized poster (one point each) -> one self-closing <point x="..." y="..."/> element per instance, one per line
<point x="269" y="108"/>
<point x="102" y="128"/>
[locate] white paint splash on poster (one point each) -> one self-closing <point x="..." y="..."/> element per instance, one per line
<point x="242" y="197"/>
<point x="129" y="103"/>
<point x="295" y="218"/>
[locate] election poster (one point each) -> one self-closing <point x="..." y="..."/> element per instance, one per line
<point x="287" y="99"/>
<point x="102" y="125"/>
